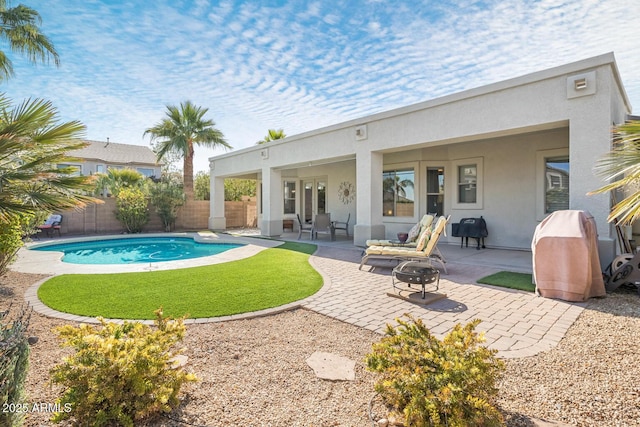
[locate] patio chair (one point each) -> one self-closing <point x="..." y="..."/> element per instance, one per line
<point x="304" y="228"/>
<point x="51" y="225"/>
<point x="414" y="233"/>
<point x="322" y="225"/>
<point x="426" y="248"/>
<point x="339" y="225"/>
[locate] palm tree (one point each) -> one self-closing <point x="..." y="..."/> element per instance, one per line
<point x="19" y="27"/>
<point x="272" y="135"/>
<point x="32" y="143"/>
<point x="179" y="131"/>
<point x="621" y="168"/>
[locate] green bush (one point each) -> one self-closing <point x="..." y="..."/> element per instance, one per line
<point x="120" y="373"/>
<point x="14" y="361"/>
<point x="429" y="382"/>
<point x="12" y="232"/>
<point x="10" y="242"/>
<point x="167" y="196"/>
<point x="132" y="209"/>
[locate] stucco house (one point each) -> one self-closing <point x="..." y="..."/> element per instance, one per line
<point x="99" y="156"/>
<point x="511" y="151"/>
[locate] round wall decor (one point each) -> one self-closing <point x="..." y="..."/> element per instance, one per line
<point x="346" y="192"/>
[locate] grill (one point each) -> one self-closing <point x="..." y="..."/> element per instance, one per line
<point x="476" y="228"/>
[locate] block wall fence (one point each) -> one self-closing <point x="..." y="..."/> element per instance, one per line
<point x="194" y="215"/>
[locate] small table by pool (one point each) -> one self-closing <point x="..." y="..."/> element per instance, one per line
<point x="416" y="273"/>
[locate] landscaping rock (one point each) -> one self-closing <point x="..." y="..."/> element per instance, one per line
<point x="329" y="366"/>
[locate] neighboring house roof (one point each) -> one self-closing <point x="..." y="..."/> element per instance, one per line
<point x="110" y="152"/>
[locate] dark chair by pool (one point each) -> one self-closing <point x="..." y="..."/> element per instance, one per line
<point x="51" y="225"/>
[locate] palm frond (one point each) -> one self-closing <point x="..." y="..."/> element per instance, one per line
<point x="620" y="168"/>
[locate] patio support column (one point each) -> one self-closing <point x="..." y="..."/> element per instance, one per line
<point x="368" y="197"/>
<point x="272" y="203"/>
<point x="217" y="220"/>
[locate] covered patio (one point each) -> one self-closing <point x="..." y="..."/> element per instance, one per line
<point x="512" y="152"/>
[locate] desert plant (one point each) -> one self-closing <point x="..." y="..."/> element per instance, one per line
<point x="167" y="196"/>
<point x="116" y="179"/>
<point x="621" y="169"/>
<point x="429" y="382"/>
<point x="120" y="373"/>
<point x="132" y="209"/>
<point x="13" y="231"/>
<point x="14" y="361"/>
<point x="34" y="142"/>
<point x="178" y="133"/>
<point x="272" y="135"/>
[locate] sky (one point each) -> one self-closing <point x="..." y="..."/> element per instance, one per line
<point x="300" y="65"/>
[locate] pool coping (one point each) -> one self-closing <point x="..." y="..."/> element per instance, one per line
<point x="50" y="263"/>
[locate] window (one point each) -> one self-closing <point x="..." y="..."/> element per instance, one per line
<point x="398" y="197"/>
<point x="76" y="172"/>
<point x="148" y="172"/>
<point x="99" y="168"/>
<point x="556" y="189"/>
<point x="289" y="197"/>
<point x="467" y="183"/>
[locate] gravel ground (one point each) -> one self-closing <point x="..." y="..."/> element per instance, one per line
<point x="253" y="372"/>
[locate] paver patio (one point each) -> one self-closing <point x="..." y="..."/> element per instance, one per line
<point x="517" y="323"/>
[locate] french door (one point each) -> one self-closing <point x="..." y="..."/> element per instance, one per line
<point x="314" y="198"/>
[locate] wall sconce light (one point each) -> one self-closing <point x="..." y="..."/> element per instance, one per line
<point x="580" y="84"/>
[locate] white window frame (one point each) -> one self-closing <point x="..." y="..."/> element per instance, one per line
<point x="417" y="174"/>
<point x="291" y="197"/>
<point x="541" y="176"/>
<point x="478" y="162"/>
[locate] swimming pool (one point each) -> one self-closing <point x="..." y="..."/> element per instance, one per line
<point x="136" y="250"/>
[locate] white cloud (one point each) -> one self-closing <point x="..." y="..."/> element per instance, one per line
<point x="300" y="66"/>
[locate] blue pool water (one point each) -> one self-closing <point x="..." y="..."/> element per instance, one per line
<point x="139" y="250"/>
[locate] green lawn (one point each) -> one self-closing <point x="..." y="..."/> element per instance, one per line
<point x="271" y="278"/>
<point x="508" y="279"/>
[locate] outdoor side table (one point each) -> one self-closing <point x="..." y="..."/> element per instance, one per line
<point x="416" y="273"/>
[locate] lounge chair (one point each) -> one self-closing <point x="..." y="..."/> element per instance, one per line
<point x="51" y="225"/>
<point x="322" y="225"/>
<point x="425" y="249"/>
<point x="340" y="225"/>
<point x="414" y="233"/>
<point x="304" y="228"/>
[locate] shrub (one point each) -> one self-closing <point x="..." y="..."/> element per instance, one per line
<point x="167" y="196"/>
<point x="12" y="232"/>
<point x="429" y="382"/>
<point x="120" y="373"/>
<point x="132" y="209"/>
<point x="10" y="242"/>
<point x="14" y="361"/>
<point x="114" y="180"/>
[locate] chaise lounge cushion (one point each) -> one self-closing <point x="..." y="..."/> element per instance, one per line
<point x="424" y="238"/>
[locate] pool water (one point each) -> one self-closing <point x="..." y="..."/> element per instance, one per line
<point x="136" y="250"/>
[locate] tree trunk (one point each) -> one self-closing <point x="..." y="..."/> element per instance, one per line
<point x="188" y="173"/>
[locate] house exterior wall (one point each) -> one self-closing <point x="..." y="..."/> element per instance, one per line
<point x="509" y="126"/>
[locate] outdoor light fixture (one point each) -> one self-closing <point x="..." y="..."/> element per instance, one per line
<point x="580" y="84"/>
